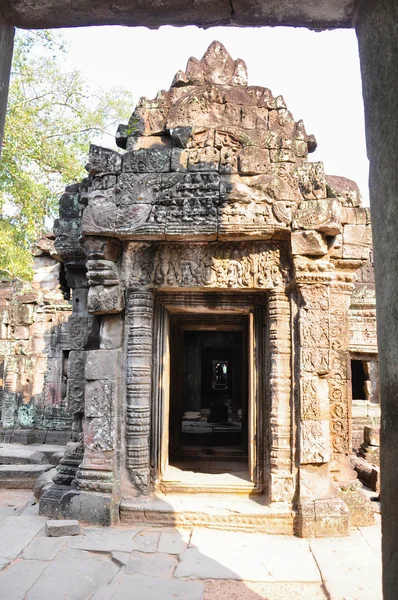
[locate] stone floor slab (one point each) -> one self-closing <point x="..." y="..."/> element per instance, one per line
<point x="229" y="564"/>
<point x="287" y="559"/>
<point x="9" y="511"/>
<point x="173" y="542"/>
<point x="372" y="537"/>
<point x="16" y="533"/>
<point x="132" y="587"/>
<point x="44" y="548"/>
<point x="74" y="575"/>
<point x="147" y="541"/>
<point x="18" y="578"/>
<point x="105" y="539"/>
<point x="154" y="565"/>
<point x="107" y="592"/>
<point x="349" y="567"/>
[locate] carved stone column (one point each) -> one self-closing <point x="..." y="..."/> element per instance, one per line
<point x="138" y="387"/>
<point x="339" y="381"/>
<point x="282" y="479"/>
<point x="314" y="366"/>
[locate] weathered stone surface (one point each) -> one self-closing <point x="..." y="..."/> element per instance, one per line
<point x="308" y="243"/>
<point x="158" y="565"/>
<point x="102" y="364"/>
<point x="58" y="528"/>
<point x="89" y="573"/>
<point x="105" y="540"/>
<point x="103" y="300"/>
<point x="16" y="533"/>
<point x="21" y="476"/>
<point x="148" y="588"/>
<point x="340" y="13"/>
<point x="44" y="481"/>
<point x="20" y="577"/>
<point x="10" y="455"/>
<point x="147" y="541"/>
<point x="44" y="548"/>
<point x="342" y="580"/>
<point x="103" y="160"/>
<point x="320" y="215"/>
<point x="173" y="542"/>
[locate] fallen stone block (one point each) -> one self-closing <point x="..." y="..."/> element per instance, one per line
<point x="367" y="473"/>
<point x="58" y="528"/>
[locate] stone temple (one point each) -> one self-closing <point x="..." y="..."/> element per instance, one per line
<point x="208" y="354"/>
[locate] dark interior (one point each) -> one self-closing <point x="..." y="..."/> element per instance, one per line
<point x="358" y="380"/>
<point x="209" y="395"/>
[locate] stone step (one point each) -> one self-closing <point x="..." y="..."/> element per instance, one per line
<point x="21" y="476"/>
<point x="231" y="513"/>
<point x="35" y="454"/>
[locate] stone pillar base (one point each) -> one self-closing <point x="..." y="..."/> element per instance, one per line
<point x="64" y="502"/>
<point x="322" y="518"/>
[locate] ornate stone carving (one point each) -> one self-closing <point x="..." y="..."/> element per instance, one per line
<point x="281" y="483"/>
<point x="314" y="367"/>
<point x="247" y="266"/>
<point x="138" y="387"/>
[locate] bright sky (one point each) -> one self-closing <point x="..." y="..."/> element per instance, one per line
<point x="317" y="73"/>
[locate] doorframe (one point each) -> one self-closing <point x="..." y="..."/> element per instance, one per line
<point x="254" y="305"/>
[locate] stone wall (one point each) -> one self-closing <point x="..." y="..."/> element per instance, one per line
<point x="33" y="321"/>
<point x="363" y="348"/>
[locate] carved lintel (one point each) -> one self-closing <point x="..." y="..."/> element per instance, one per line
<point x="246" y="265"/>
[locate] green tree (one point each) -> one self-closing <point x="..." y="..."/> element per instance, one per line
<point x="52" y="117"/>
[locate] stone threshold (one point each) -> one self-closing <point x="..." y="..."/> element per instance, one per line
<point x="190" y="481"/>
<point x="222" y="511"/>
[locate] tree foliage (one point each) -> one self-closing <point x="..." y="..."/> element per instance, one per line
<point x="52" y="117"/>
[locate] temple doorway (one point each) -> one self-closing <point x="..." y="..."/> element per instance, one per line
<point x="209" y="399"/>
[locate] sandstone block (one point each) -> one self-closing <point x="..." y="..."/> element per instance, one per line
<point x="58" y="528"/>
<point x="371" y="435"/>
<point x="83" y="333"/>
<point x="254" y="161"/>
<point x="356" y="241"/>
<point x="354" y="216"/>
<point x="70" y="206"/>
<point x="138" y="188"/>
<point x="319" y="215"/>
<point x="96" y="247"/>
<point x="100" y="396"/>
<point x="75" y="395"/>
<point x="344" y="189"/>
<point x="76" y="364"/>
<point x="111" y="332"/>
<point x="103" y="160"/>
<point x="308" y="243"/>
<point x="103" y="364"/>
<point x="105" y="299"/>
<point x="147" y="161"/>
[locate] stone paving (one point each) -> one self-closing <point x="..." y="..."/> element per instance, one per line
<point x="149" y="563"/>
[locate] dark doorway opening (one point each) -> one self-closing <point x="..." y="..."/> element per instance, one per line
<point x="359" y="379"/>
<point x="208" y="430"/>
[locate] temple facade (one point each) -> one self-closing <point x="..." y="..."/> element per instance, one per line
<point x="212" y="269"/>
